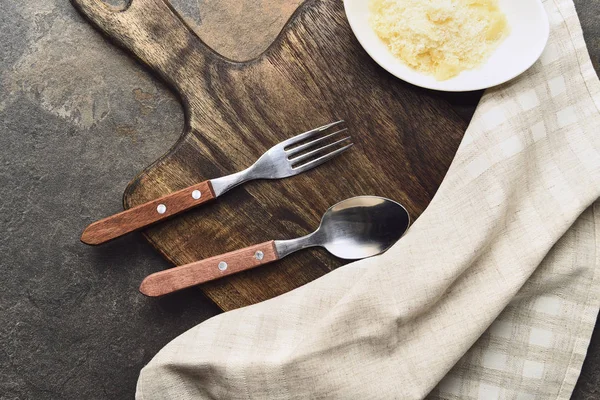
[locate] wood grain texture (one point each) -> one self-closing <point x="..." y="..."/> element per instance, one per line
<point x="314" y="73"/>
<point x="185" y="276"/>
<point x="146" y="214"/>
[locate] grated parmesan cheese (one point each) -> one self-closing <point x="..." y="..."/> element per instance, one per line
<point x="439" y="37"/>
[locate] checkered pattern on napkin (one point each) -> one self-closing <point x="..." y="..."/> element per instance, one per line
<point x="535" y="348"/>
<point x="492" y="294"/>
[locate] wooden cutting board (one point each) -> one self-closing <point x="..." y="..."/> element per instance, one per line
<point x="314" y="73"/>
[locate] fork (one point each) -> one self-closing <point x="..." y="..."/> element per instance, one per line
<point x="287" y="158"/>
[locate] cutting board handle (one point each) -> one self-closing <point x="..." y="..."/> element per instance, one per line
<point x="159" y="37"/>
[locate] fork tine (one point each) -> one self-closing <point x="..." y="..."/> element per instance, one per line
<point x="320" y="160"/>
<point x="311" y="153"/>
<point x="309" y="134"/>
<point x="312" y="143"/>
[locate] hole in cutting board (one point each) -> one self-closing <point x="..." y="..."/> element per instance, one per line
<point x="237" y="29"/>
<point x="117" y="3"/>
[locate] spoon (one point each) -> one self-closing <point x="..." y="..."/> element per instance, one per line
<point x="355" y="228"/>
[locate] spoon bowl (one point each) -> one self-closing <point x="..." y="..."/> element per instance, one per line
<point x="355" y="228"/>
<point x="362" y="226"/>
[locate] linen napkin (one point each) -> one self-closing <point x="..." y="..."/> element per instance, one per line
<point x="492" y="294"/>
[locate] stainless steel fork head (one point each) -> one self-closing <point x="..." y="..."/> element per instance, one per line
<point x="290" y="157"/>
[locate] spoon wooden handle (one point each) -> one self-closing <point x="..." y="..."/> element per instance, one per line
<point x="184" y="276"/>
<point x="147" y="214"/>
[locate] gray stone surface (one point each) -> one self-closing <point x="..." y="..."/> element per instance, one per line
<point x="78" y="119"/>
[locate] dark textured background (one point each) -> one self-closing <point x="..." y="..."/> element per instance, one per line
<point x="78" y="119"/>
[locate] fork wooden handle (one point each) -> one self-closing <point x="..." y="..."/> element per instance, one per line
<point x="174" y="279"/>
<point x="147" y="214"/>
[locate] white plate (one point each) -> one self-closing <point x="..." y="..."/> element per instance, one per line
<point x="529" y="30"/>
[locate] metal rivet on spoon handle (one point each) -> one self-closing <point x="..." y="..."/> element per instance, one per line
<point x="355" y="228"/>
<point x="280" y="161"/>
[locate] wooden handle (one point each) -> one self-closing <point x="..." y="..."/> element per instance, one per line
<point x="147" y="214"/>
<point x="171" y="280"/>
